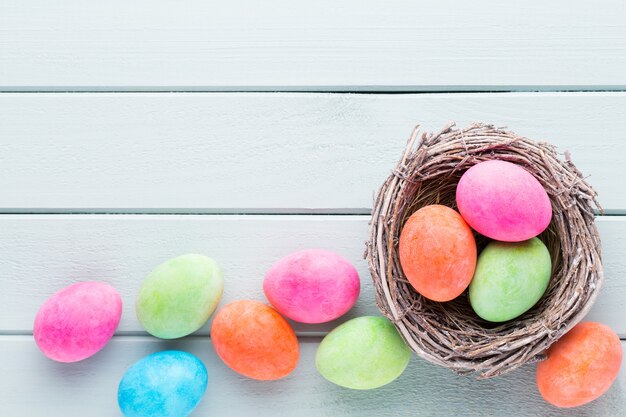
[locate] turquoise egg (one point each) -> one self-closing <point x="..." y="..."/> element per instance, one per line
<point x="509" y="279"/>
<point x="165" y="384"/>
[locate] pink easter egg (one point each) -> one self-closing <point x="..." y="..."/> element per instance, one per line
<point x="503" y="201"/>
<point x="77" y="321"/>
<point x="312" y="286"/>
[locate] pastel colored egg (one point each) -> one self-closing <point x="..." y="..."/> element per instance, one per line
<point x="362" y="353"/>
<point x="503" y="201"/>
<point x="77" y="321"/>
<point x="179" y="296"/>
<point x="437" y="252"/>
<point x="312" y="286"/>
<point x="581" y="366"/>
<point x="254" y="340"/>
<point x="165" y="384"/>
<point x="510" y="278"/>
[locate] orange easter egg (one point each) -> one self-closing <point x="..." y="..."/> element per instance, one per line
<point x="254" y="340"/>
<point x="438" y="252"/>
<point x="581" y="366"/>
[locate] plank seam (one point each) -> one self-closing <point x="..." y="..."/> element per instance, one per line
<point x="224" y="212"/>
<point x="142" y="335"/>
<point x="316" y="90"/>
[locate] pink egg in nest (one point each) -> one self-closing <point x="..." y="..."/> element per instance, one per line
<point x="77" y="321"/>
<point x="503" y="201"/>
<point x="312" y="286"/>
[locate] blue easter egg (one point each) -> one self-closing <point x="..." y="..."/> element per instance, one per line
<point x="165" y="384"/>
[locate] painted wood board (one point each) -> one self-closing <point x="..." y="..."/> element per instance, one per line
<point x="266" y="152"/>
<point x="321" y="45"/>
<point x="32" y="385"/>
<point x="40" y="254"/>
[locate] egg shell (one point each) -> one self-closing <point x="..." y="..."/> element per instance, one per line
<point x="179" y="296"/>
<point x="362" y="353"/>
<point x="312" y="286"/>
<point x="77" y="321"/>
<point x="581" y="366"/>
<point x="437" y="252"/>
<point x="254" y="340"/>
<point x="503" y="201"/>
<point x="164" y="384"/>
<point x="510" y="278"/>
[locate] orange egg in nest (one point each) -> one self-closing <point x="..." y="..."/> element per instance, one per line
<point x="254" y="340"/>
<point x="438" y="252"/>
<point x="581" y="366"/>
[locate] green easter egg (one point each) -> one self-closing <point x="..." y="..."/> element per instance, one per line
<point x="179" y="296"/>
<point x="362" y="353"/>
<point x="510" y="278"/>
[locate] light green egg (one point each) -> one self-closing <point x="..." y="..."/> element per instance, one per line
<point x="510" y="278"/>
<point x="179" y="296"/>
<point x="362" y="353"/>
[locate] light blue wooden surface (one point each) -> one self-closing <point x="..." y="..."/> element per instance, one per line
<point x="323" y="45"/>
<point x="90" y="388"/>
<point x="113" y="108"/>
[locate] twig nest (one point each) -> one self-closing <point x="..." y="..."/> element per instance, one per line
<point x="450" y="333"/>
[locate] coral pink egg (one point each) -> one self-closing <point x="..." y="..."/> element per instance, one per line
<point x="254" y="340"/>
<point x="437" y="252"/>
<point x="312" y="286"/>
<point x="503" y="201"/>
<point x="76" y="322"/>
<point x="581" y="365"/>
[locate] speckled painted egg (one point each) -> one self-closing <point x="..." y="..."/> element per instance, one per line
<point x="77" y="321"/>
<point x="580" y="366"/>
<point x="165" y="384"/>
<point x="179" y="296"/>
<point x="510" y="278"/>
<point x="362" y="353"/>
<point x="312" y="286"/>
<point x="254" y="340"/>
<point x="437" y="252"/>
<point x="503" y="201"/>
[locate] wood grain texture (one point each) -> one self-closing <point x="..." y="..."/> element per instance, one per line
<point x="283" y="153"/>
<point x="41" y="254"/>
<point x="279" y="44"/>
<point x="38" y="387"/>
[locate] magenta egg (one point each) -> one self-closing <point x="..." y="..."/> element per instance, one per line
<point x="77" y="321"/>
<point x="503" y="201"/>
<point x="312" y="286"/>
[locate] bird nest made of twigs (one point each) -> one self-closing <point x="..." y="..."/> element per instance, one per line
<point x="451" y="334"/>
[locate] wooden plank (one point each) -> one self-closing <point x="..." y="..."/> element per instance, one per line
<point x="277" y="44"/>
<point x="223" y="152"/>
<point x="43" y="253"/>
<point x="35" y="386"/>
